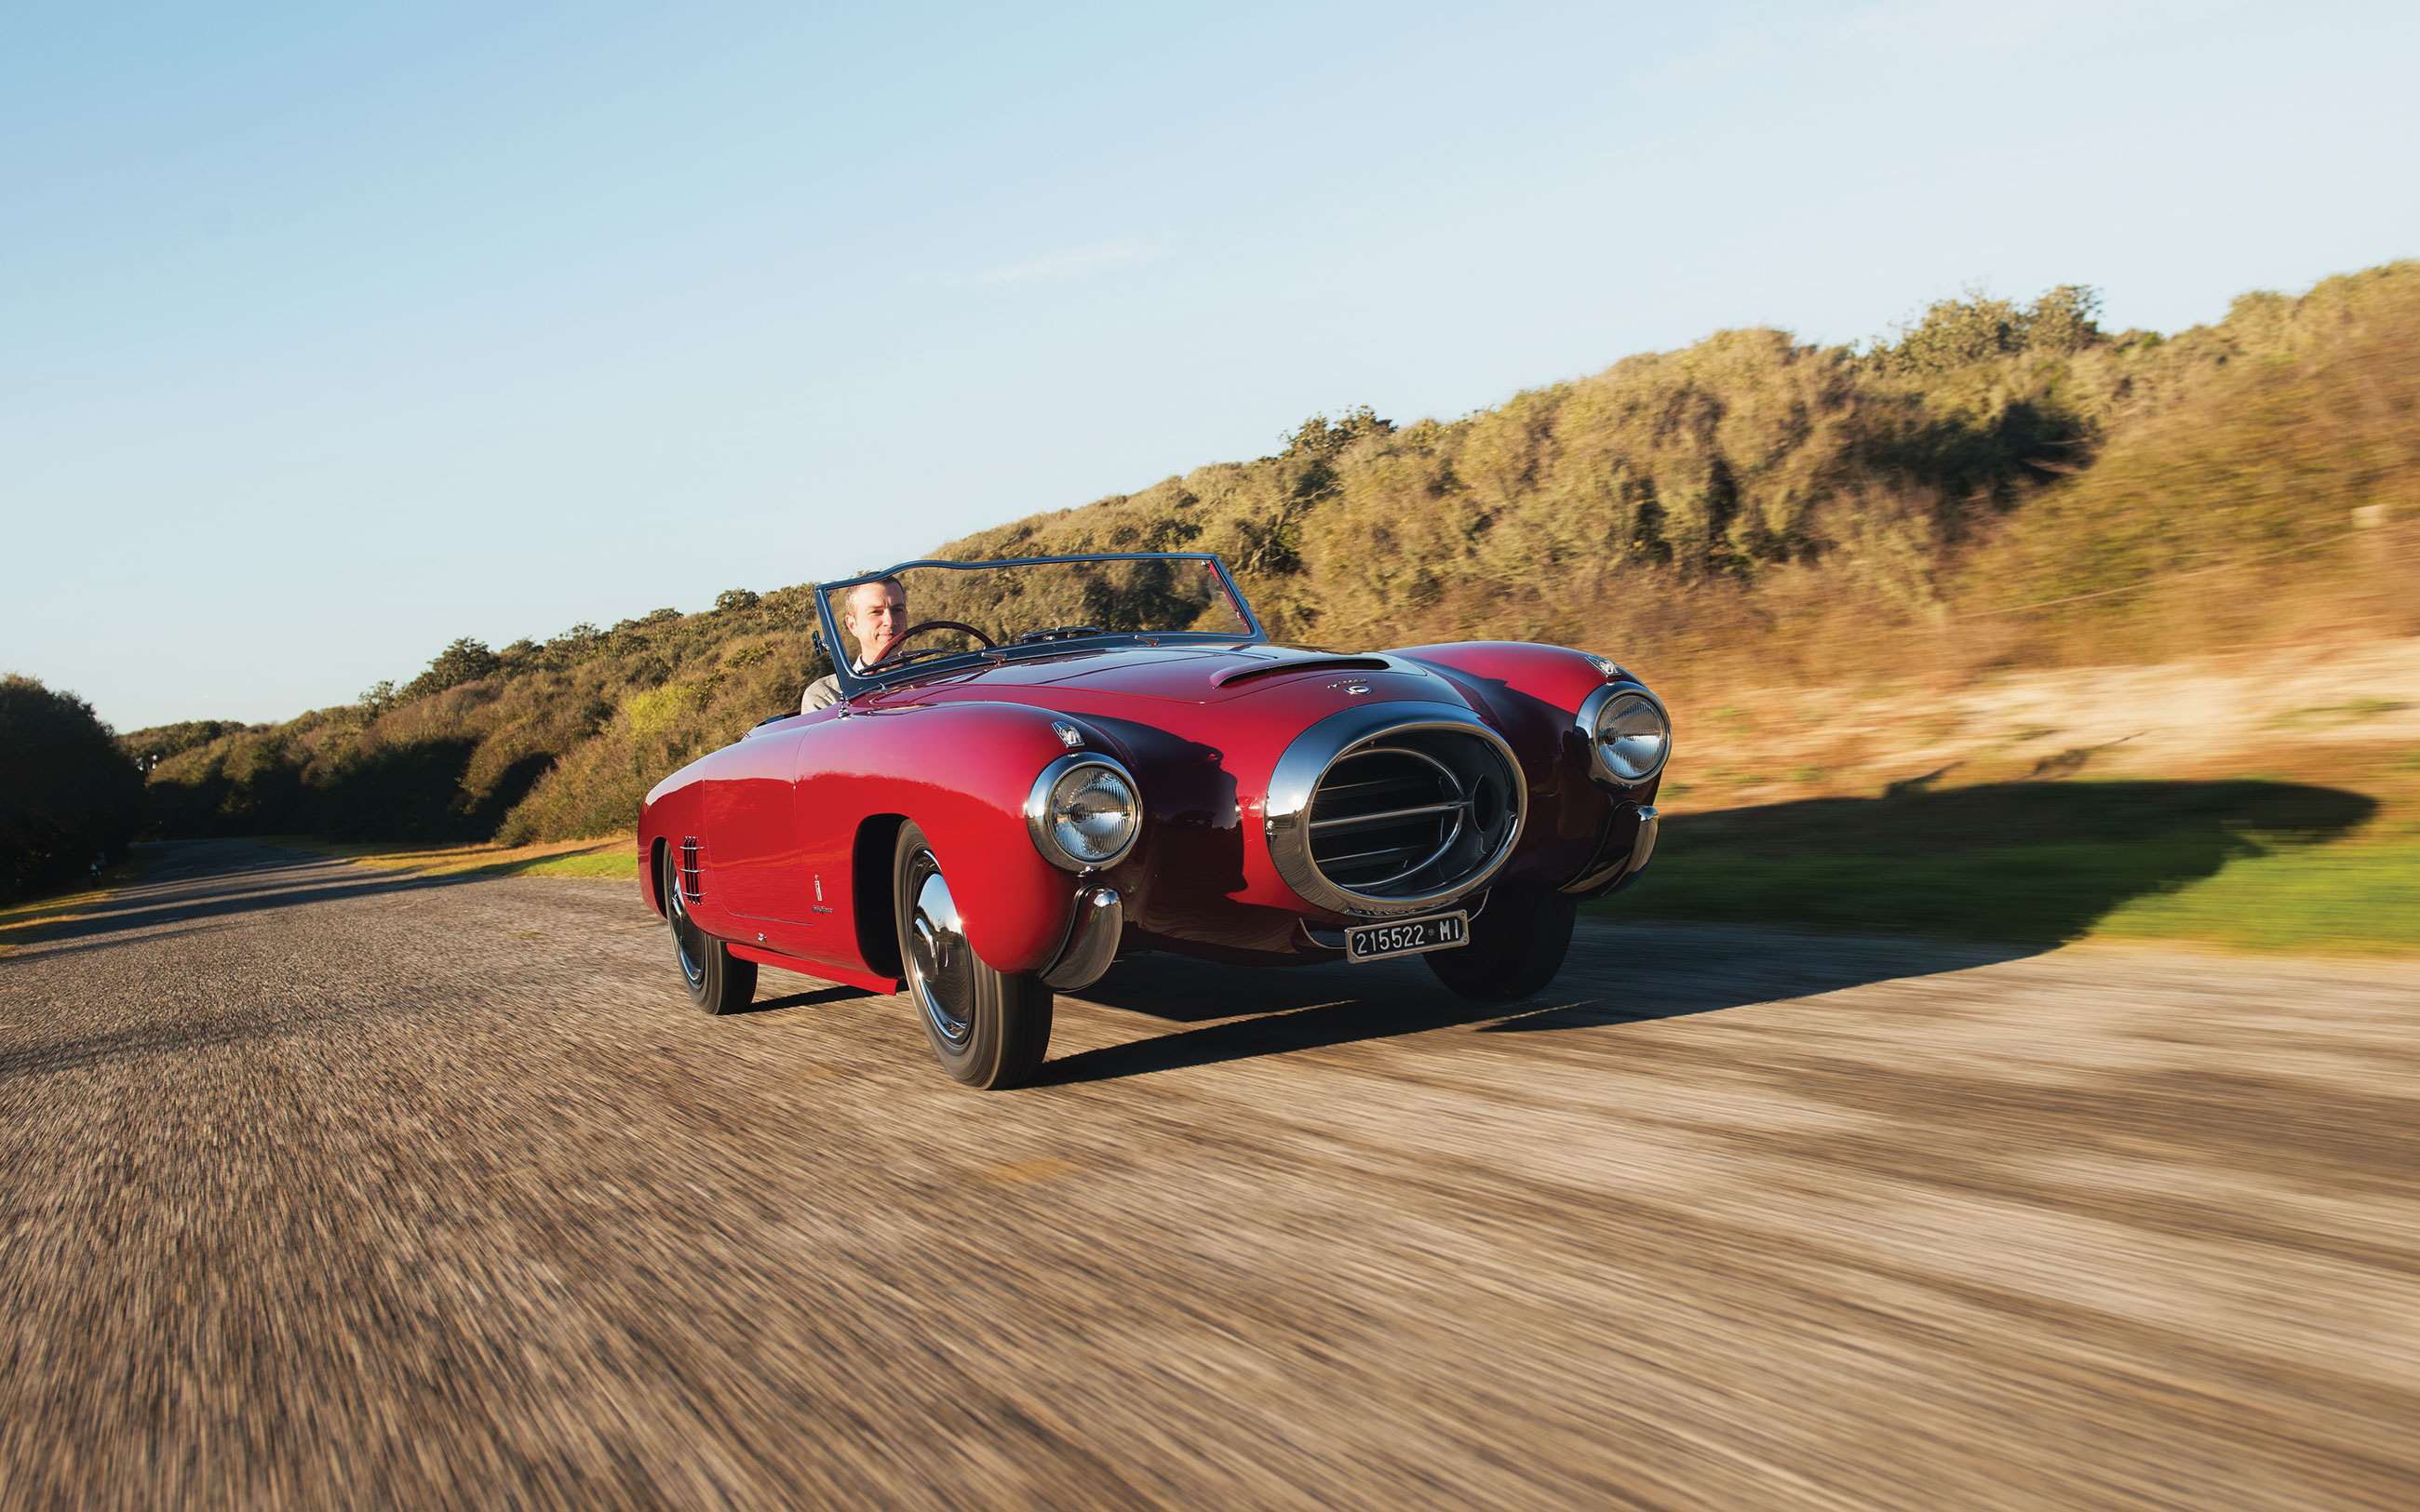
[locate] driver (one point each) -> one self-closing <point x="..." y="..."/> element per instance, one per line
<point x="876" y="613"/>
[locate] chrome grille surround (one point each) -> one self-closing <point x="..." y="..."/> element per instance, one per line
<point x="1389" y="809"/>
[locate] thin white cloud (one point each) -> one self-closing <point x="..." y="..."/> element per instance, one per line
<point x="1088" y="262"/>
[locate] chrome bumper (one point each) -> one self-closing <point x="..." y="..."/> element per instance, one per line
<point x="1645" y="845"/>
<point x="1605" y="871"/>
<point x="1092" y="940"/>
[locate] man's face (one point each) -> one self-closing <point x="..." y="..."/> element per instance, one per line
<point x="876" y="613"/>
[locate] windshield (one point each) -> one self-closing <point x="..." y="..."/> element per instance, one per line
<point x="927" y="613"/>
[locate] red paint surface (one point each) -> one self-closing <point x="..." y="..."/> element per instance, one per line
<point x="821" y="971"/>
<point x="782" y="811"/>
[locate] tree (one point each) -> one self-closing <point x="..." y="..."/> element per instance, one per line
<point x="1955" y="333"/>
<point x="1307" y="472"/>
<point x="465" y="661"/>
<point x="2065" y="320"/>
<point x="1321" y="438"/>
<point x="735" y="598"/>
<point x="70" y="800"/>
<point x="147" y="749"/>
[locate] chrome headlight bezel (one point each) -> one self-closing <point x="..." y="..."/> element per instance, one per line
<point x="1042" y="811"/>
<point x="1599" y="709"/>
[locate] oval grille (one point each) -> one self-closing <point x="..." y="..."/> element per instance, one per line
<point x="1412" y="815"/>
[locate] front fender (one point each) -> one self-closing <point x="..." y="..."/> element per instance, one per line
<point x="1556" y="676"/>
<point x="1534" y="694"/>
<point x="961" y="772"/>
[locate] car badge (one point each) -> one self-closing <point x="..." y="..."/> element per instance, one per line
<point x="1068" y="734"/>
<point x="1352" y="689"/>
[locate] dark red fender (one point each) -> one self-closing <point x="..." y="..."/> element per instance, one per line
<point x="961" y="772"/>
<point x="672" y="812"/>
<point x="1550" y="674"/>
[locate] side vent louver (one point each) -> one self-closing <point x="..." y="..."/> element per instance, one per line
<point x="689" y="876"/>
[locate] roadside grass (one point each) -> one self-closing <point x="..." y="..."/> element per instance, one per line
<point x="614" y="857"/>
<point x="2335" y="899"/>
<point x="2338" y="714"/>
<point x="2323" y="861"/>
<point x="21" y="923"/>
<point x="2321" y="856"/>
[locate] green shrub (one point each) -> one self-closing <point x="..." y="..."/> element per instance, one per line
<point x="70" y="799"/>
<point x="466" y="660"/>
<point x="2001" y="484"/>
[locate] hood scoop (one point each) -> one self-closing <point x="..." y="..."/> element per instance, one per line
<point x="1303" y="664"/>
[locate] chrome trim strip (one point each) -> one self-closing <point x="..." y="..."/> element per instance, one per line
<point x="1353" y="821"/>
<point x="1093" y="934"/>
<point x="1644" y="847"/>
<point x="1325" y="939"/>
<point x="1584" y="723"/>
<point x="1037" y="810"/>
<point x="1284" y="824"/>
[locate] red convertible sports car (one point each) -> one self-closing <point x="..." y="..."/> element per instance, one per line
<point x="1029" y="766"/>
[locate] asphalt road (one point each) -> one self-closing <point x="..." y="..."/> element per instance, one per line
<point x="326" y="1185"/>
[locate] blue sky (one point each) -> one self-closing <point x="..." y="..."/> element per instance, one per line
<point x="327" y="336"/>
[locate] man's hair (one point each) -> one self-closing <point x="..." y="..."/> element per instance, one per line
<point x="848" y="600"/>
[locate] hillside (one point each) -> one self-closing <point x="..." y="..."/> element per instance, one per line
<point x="1998" y="487"/>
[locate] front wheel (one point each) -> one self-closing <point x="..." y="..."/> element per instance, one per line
<point x="990" y="1029"/>
<point x="719" y="981"/>
<point x="1517" y="944"/>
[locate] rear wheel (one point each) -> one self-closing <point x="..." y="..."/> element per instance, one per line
<point x="988" y="1028"/>
<point x="1517" y="944"/>
<point x="719" y="981"/>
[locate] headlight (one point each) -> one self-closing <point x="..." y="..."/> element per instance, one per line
<point x="1083" y="812"/>
<point x="1628" y="736"/>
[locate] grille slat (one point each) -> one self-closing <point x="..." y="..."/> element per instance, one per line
<point x="1369" y="803"/>
<point x="1334" y="789"/>
<point x="1449" y="806"/>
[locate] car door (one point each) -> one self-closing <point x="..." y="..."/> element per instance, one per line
<point x="815" y="884"/>
<point x="752" y="836"/>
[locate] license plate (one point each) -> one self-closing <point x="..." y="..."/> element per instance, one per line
<point x="1406" y="936"/>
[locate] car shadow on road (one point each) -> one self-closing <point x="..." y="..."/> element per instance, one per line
<point x="822" y="995"/>
<point x="1615" y="975"/>
<point x="2035" y="864"/>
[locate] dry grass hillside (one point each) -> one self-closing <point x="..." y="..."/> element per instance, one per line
<point x="1998" y="488"/>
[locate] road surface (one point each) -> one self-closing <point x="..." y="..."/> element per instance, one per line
<point x="328" y="1184"/>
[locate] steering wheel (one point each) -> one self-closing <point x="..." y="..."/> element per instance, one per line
<point x="923" y="625"/>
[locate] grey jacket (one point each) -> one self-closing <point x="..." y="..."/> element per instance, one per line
<point x="821" y="694"/>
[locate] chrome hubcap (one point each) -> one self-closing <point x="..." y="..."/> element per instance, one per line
<point x="688" y="941"/>
<point x="941" y="966"/>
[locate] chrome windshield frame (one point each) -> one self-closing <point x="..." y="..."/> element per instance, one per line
<point x="853" y="681"/>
